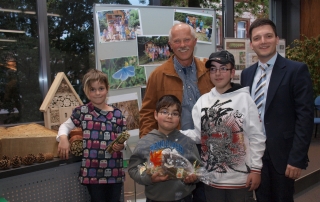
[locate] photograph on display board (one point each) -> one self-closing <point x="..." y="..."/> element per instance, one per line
<point x="200" y="22"/>
<point x="153" y="50"/>
<point x="236" y="77"/>
<point x="242" y="58"/>
<point x="237" y="47"/>
<point x="253" y="58"/>
<point x="128" y="104"/>
<point x="240" y="67"/>
<point x="236" y="44"/>
<point x="281" y="47"/>
<point x="118" y="25"/>
<point x="124" y="72"/>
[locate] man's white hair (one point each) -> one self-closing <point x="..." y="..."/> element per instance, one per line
<point x="192" y="31"/>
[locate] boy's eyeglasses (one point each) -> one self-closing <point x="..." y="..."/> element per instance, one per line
<point x="222" y="70"/>
<point x="166" y="113"/>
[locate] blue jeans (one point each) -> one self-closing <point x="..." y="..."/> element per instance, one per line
<point x="105" y="192"/>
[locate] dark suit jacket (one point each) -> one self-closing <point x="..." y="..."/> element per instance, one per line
<point x="288" y="118"/>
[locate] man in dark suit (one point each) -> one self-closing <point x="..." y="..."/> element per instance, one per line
<point x="284" y="98"/>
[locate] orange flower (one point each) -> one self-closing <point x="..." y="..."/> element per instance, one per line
<point x="156" y="157"/>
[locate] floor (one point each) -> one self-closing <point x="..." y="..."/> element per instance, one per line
<point x="311" y="194"/>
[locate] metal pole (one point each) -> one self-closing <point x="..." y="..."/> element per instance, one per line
<point x="44" y="69"/>
<point x="228" y="8"/>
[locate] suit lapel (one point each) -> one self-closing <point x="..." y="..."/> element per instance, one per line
<point x="277" y="74"/>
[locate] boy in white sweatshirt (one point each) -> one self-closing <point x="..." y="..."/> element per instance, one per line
<point x="228" y="127"/>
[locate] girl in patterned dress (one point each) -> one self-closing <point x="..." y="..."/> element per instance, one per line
<point x="101" y="123"/>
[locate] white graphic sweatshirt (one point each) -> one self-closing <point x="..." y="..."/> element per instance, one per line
<point x="230" y="132"/>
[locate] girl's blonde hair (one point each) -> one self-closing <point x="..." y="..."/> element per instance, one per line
<point x="92" y="76"/>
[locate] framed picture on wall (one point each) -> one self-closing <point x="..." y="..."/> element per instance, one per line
<point x="118" y="25"/>
<point x="123" y="72"/>
<point x="202" y="23"/>
<point x="153" y="50"/>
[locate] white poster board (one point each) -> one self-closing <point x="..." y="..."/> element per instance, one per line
<point x="119" y="50"/>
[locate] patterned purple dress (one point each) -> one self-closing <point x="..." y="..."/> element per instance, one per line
<point x="99" y="128"/>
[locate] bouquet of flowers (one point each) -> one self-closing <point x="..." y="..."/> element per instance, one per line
<point x="170" y="162"/>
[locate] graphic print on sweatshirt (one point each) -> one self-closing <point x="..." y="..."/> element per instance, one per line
<point x="223" y="147"/>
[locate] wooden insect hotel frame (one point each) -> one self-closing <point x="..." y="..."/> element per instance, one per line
<point x="59" y="102"/>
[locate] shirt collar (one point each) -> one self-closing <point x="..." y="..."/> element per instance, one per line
<point x="271" y="61"/>
<point x="179" y="66"/>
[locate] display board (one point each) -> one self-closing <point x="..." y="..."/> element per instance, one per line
<point x="131" y="41"/>
<point x="244" y="56"/>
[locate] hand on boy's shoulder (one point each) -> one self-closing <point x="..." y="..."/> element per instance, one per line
<point x="158" y="177"/>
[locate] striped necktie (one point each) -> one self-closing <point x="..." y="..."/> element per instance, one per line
<point x="260" y="87"/>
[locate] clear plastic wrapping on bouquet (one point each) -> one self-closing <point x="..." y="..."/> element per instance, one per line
<point x="170" y="162"/>
<point x="202" y="174"/>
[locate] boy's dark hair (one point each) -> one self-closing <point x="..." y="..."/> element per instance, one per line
<point x="168" y="101"/>
<point x="260" y="22"/>
<point x="91" y="76"/>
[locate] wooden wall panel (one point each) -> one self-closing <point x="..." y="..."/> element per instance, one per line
<point x="310" y="18"/>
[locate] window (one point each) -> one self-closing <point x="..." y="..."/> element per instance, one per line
<point x="71" y="41"/>
<point x="241" y="28"/>
<point x="71" y="50"/>
<point x="20" y="95"/>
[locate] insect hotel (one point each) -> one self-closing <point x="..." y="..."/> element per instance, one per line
<point x="59" y="102"/>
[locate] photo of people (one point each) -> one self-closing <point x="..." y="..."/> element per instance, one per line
<point x="119" y="25"/>
<point x="153" y="50"/>
<point x="201" y="23"/>
<point x="123" y="72"/>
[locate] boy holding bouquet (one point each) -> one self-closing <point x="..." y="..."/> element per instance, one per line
<point x="159" y="184"/>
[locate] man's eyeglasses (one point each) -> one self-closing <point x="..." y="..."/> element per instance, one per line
<point x="166" y="113"/>
<point x="222" y="69"/>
